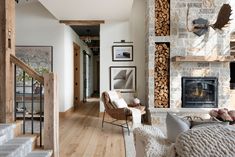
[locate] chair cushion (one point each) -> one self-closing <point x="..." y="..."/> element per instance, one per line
<point x="120" y="103"/>
<point x="113" y="95"/>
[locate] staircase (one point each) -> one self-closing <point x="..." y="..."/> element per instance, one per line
<point x="14" y="144"/>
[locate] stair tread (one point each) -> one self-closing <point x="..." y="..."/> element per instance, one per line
<point x="19" y="140"/>
<point x="20" y="146"/>
<point x="4" y="127"/>
<point x="6" y="148"/>
<point x="5" y="154"/>
<point x="40" y="153"/>
<point x="16" y="145"/>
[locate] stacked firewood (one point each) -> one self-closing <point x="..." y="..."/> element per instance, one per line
<point x="161" y="75"/>
<point x="162" y="17"/>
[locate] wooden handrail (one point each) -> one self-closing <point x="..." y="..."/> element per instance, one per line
<point x="31" y="72"/>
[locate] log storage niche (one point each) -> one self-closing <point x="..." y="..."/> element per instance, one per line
<point x="162" y="17"/>
<point x="161" y="75"/>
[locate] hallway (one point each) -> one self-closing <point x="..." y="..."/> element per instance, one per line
<point x="81" y="134"/>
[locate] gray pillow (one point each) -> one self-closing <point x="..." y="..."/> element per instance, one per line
<point x="175" y="125"/>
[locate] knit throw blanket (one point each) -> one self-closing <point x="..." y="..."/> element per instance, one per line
<point x="136" y="117"/>
<point x="216" y="141"/>
<point x="155" y="142"/>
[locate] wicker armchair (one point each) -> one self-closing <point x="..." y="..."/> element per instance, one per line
<point x="118" y="113"/>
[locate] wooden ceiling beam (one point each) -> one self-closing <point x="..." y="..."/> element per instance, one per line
<point x="90" y="37"/>
<point x="93" y="47"/>
<point x="82" y="22"/>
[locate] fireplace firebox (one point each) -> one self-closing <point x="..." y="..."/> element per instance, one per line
<point x="199" y="92"/>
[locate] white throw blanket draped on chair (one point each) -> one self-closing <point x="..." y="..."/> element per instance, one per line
<point x="136" y="117"/>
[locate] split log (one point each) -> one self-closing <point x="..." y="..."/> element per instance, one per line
<point x="161" y="75"/>
<point x="162" y="17"/>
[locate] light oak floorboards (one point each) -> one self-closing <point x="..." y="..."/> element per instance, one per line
<point x="81" y="134"/>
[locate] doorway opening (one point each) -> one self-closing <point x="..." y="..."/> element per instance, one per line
<point x="90" y="35"/>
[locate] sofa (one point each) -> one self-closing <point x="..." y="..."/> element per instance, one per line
<point x="204" y="138"/>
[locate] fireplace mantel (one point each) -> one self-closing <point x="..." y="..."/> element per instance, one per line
<point x="203" y="58"/>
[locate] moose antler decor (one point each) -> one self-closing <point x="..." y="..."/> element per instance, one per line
<point x="201" y="26"/>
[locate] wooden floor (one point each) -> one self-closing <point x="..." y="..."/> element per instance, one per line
<point x="81" y="135"/>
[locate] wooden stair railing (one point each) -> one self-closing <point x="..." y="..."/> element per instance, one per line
<point x="51" y="113"/>
<point x="31" y="72"/>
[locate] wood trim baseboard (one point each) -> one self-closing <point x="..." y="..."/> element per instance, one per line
<point x="66" y="113"/>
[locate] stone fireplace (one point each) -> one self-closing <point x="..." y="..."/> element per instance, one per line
<point x="199" y="92"/>
<point x="190" y="56"/>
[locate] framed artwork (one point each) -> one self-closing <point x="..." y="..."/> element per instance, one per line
<point x="122" y="53"/>
<point x="40" y="58"/>
<point x="123" y="78"/>
<point x="37" y="57"/>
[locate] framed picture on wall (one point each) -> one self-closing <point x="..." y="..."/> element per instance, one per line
<point x="123" y="78"/>
<point x="40" y="58"/>
<point x="122" y="53"/>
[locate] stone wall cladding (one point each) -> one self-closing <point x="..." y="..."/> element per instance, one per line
<point x="183" y="43"/>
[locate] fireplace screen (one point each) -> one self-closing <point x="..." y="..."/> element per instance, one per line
<point x="199" y="92"/>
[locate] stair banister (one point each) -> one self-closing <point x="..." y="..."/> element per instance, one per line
<point x="51" y="112"/>
<point x="51" y="119"/>
<point x="31" y="72"/>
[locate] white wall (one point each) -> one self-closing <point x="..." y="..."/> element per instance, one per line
<point x="109" y="33"/>
<point x="133" y="30"/>
<point x="137" y="27"/>
<point x="36" y="26"/>
<point x="71" y="37"/>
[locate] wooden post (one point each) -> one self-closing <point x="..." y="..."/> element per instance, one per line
<point x="7" y="47"/>
<point x="51" y="114"/>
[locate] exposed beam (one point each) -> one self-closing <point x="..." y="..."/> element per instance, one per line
<point x="93" y="47"/>
<point x="7" y="47"/>
<point x="90" y="37"/>
<point x="82" y="22"/>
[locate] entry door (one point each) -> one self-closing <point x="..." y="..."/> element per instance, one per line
<point x="76" y="75"/>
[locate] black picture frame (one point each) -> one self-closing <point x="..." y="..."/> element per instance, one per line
<point x="123" y="78"/>
<point x="122" y="53"/>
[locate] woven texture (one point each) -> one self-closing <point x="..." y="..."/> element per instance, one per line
<point x="155" y="142"/>
<point x="215" y="140"/>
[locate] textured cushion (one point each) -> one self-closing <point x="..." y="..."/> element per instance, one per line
<point x="113" y="95"/>
<point x="120" y="103"/>
<point x="175" y="125"/>
<point x="197" y="124"/>
<point x="210" y="141"/>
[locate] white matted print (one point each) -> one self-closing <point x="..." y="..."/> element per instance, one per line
<point x="122" y="52"/>
<point x="123" y="78"/>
